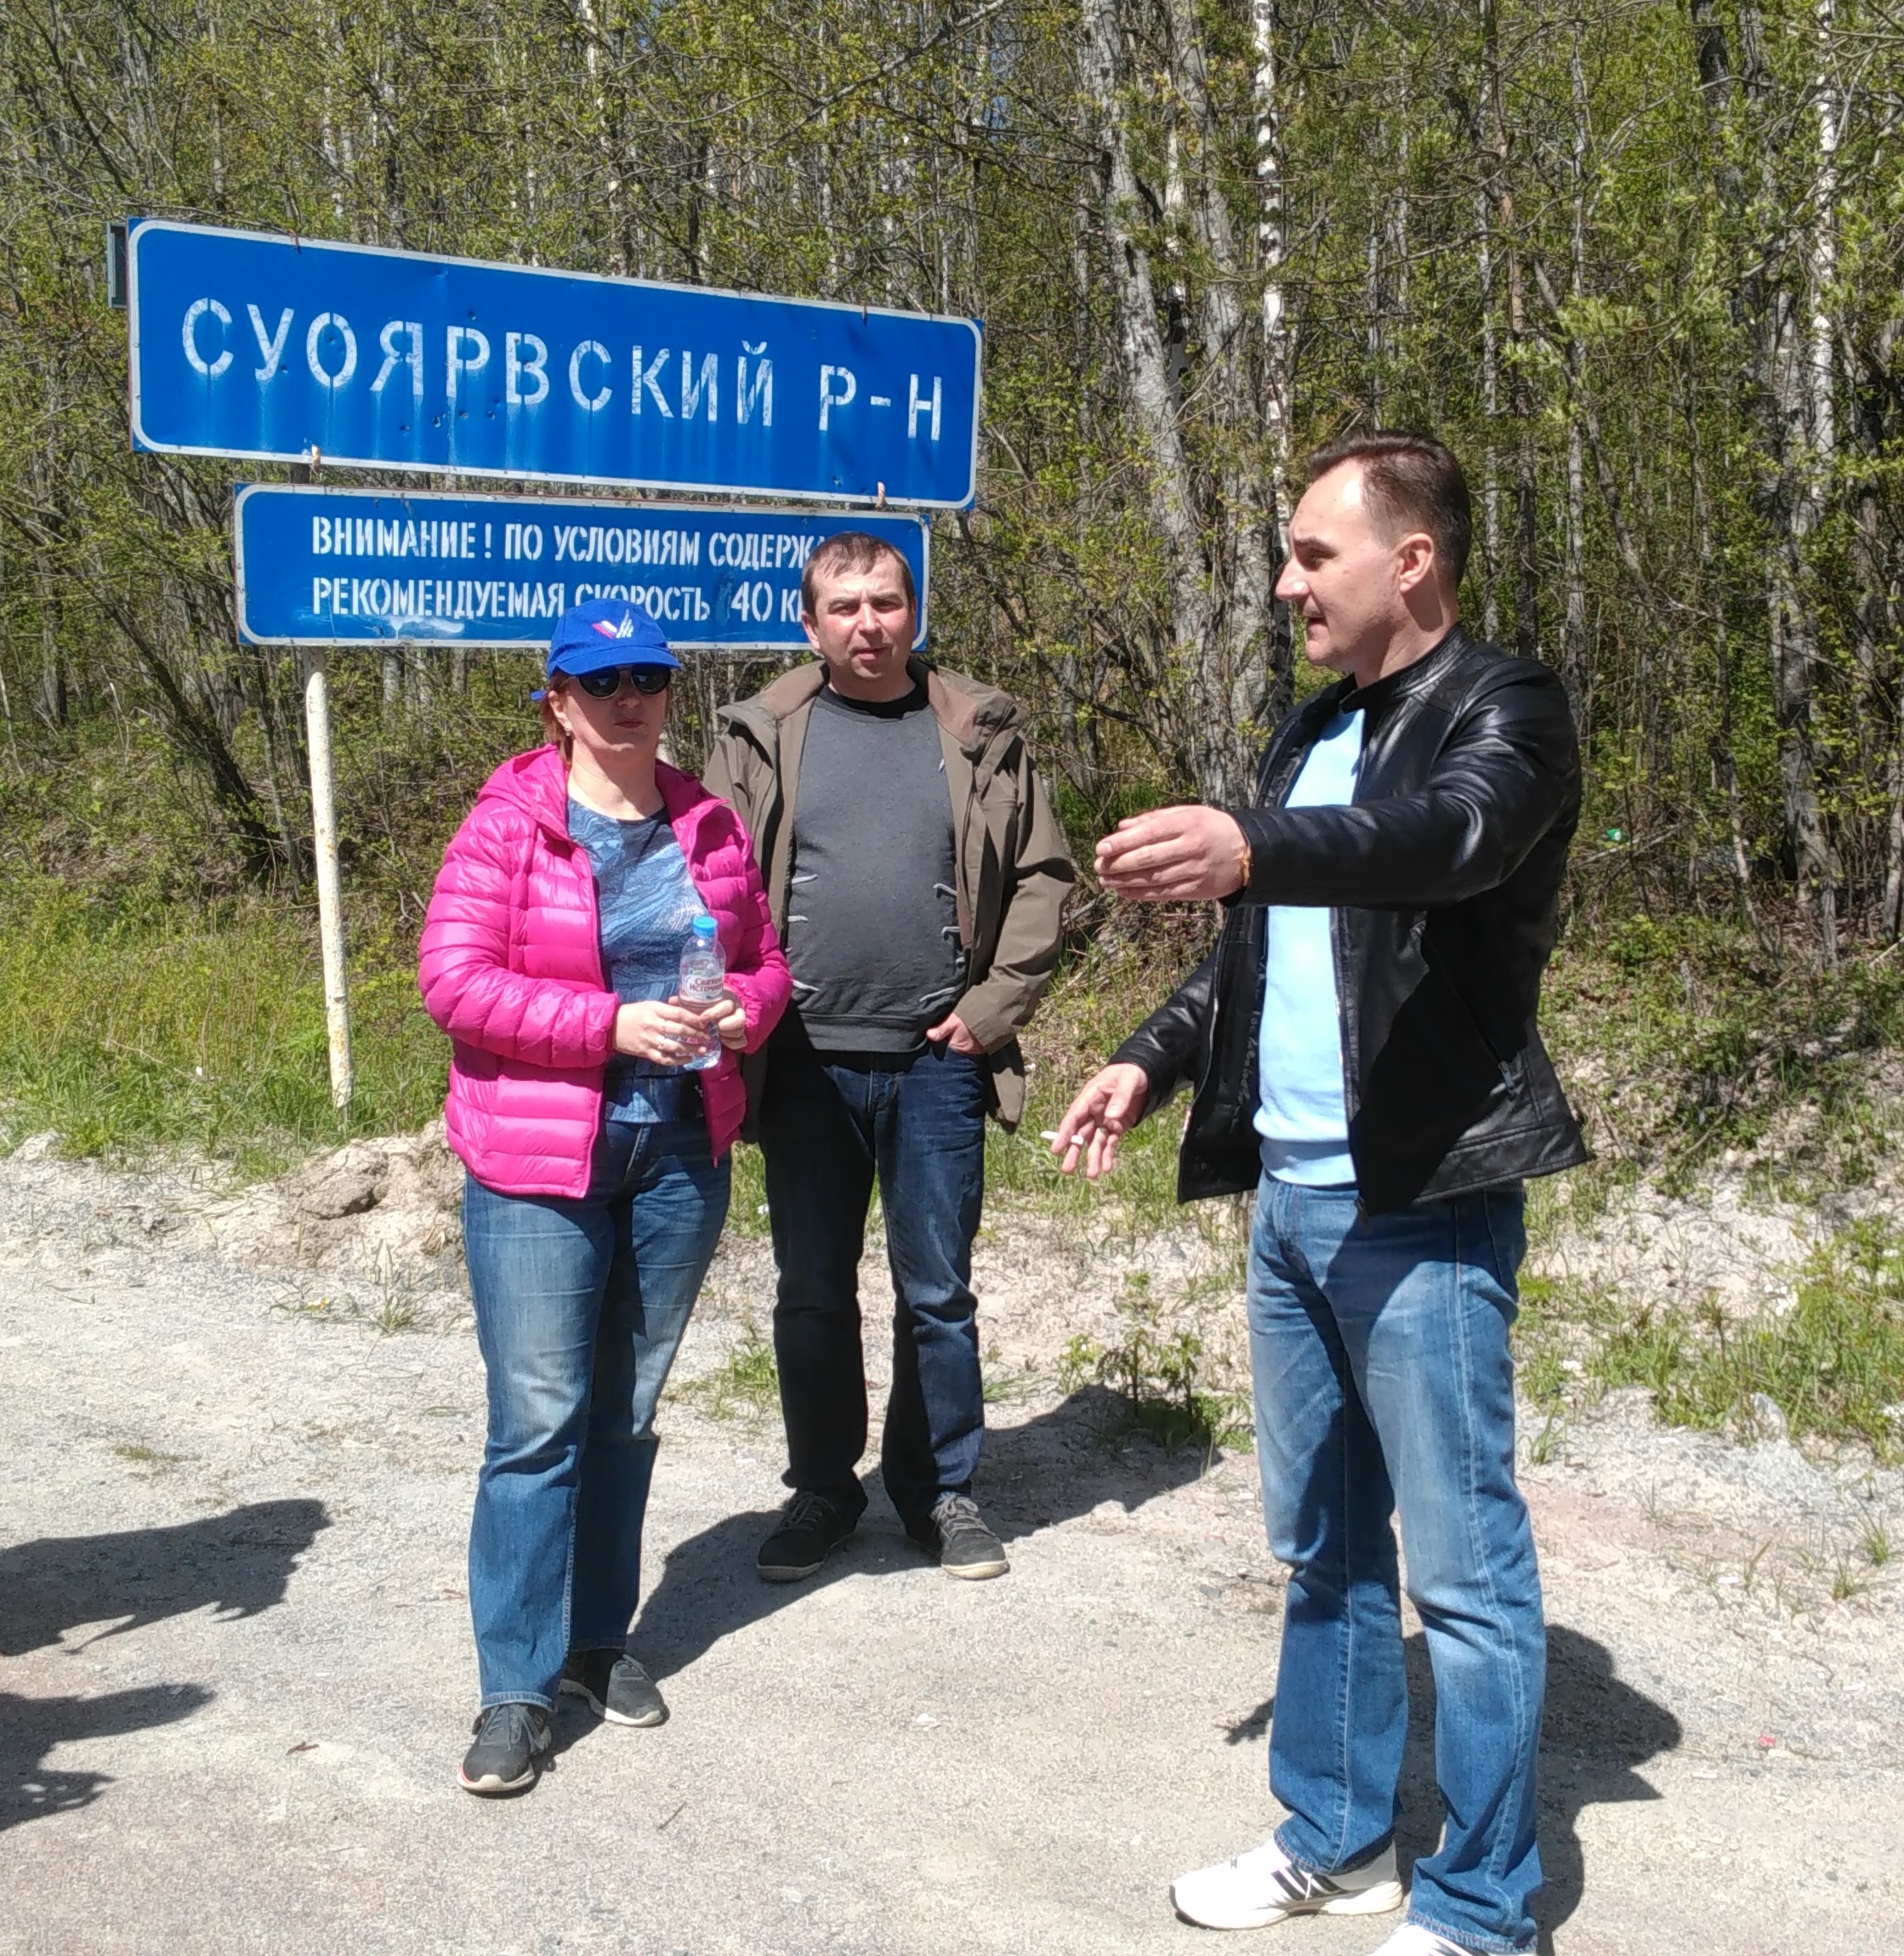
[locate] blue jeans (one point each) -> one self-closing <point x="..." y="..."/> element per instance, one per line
<point x="580" y="1308"/>
<point x="1385" y="1384"/>
<point x="828" y="1126"/>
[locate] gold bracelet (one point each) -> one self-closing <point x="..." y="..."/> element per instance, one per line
<point x="1243" y="863"/>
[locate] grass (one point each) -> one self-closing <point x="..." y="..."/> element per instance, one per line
<point x="746" y="1381"/>
<point x="1688" y="1046"/>
<point x="1157" y="1370"/>
<point x="1102" y="993"/>
<point x="129" y="1019"/>
<point x="149" y="1457"/>
<point x="123" y="1027"/>
<point x="1831" y="1364"/>
<point x="747" y="1203"/>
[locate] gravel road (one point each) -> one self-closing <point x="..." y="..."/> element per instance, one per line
<point x="236" y="1674"/>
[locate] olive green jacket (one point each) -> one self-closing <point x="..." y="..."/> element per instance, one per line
<point x="1013" y="866"/>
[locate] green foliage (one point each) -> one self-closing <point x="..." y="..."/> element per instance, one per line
<point x="1156" y="1369"/>
<point x="746" y="1382"/>
<point x="747" y="1201"/>
<point x="1832" y="1363"/>
<point x="122" y="1028"/>
<point x="1687" y="1046"/>
<point x="944" y="155"/>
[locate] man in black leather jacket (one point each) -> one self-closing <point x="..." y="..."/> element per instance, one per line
<point x="1362" y="1049"/>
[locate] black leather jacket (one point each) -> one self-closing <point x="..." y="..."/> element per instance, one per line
<point x="1443" y="879"/>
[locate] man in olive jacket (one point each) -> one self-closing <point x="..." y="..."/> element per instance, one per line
<point x="916" y="876"/>
<point x="1362" y="1050"/>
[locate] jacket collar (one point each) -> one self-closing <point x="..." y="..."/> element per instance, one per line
<point x="971" y="712"/>
<point x="1376" y="699"/>
<point x="537" y="782"/>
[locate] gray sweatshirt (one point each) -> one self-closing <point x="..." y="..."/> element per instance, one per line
<point x="872" y="917"/>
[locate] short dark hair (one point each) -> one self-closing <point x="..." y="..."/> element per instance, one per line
<point x="1409" y="482"/>
<point x="851" y="551"/>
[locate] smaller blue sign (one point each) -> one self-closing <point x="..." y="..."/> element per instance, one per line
<point x="320" y="566"/>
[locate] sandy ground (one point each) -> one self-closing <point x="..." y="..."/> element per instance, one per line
<point x="235" y="1672"/>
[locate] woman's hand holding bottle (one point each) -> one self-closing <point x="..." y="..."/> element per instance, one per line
<point x="666" y="1033"/>
<point x="726" y="1019"/>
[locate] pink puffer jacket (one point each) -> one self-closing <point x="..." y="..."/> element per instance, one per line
<point x="511" y="969"/>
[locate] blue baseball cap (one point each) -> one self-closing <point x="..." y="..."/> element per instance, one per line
<point x="603" y="633"/>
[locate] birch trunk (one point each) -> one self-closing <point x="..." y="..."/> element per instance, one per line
<point x="1789" y="386"/>
<point x="1234" y="682"/>
<point x="1141" y="356"/>
<point x="1212" y="524"/>
<point x="1573" y="652"/>
<point x="593" y="59"/>
<point x="1277" y="384"/>
<point x="1491" y="409"/>
<point x="1781" y="396"/>
<point x="1527" y="501"/>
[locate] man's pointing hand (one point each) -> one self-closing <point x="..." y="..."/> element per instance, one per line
<point x="1184" y="855"/>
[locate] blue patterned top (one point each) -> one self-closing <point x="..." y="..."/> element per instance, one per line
<point x="647" y="904"/>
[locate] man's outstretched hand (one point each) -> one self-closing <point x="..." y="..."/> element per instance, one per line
<point x="1109" y="1104"/>
<point x="1184" y="855"/>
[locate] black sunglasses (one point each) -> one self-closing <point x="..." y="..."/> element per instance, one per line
<point x="604" y="685"/>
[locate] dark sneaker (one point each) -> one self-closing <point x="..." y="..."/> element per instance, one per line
<point x="614" y="1686"/>
<point x="510" y="1741"/>
<point x="954" y="1533"/>
<point x="812" y="1528"/>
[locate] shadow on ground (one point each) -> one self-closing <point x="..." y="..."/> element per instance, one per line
<point x="29" y="1728"/>
<point x="1598" y="1731"/>
<point x="239" y="1563"/>
<point x="1596" y="1734"/>
<point x="1052" y="1468"/>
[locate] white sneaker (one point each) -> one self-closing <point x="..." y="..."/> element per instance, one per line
<point x="1410" y="1939"/>
<point x="1265" y="1885"/>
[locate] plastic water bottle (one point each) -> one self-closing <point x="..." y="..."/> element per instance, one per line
<point x="703" y="978"/>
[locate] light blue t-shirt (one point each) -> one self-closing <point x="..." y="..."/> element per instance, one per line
<point x="1301" y="1116"/>
<point x="647" y="904"/>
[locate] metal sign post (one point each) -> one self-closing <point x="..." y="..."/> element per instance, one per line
<point x="330" y="897"/>
<point x="293" y="349"/>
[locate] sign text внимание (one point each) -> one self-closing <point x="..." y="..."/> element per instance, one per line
<point x="336" y="566"/>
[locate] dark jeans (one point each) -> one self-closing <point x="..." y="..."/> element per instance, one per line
<point x="828" y="1126"/>
<point x="580" y="1308"/>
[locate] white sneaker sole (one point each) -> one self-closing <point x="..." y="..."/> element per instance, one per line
<point x="1380" y="1899"/>
<point x="574" y="1688"/>
<point x="490" y="1785"/>
<point x="977" y="1571"/>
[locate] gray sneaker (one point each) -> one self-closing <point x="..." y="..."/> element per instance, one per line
<point x="510" y="1741"/>
<point x="956" y="1533"/>
<point x="613" y="1686"/>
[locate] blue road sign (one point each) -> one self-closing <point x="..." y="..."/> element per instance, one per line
<point x="322" y="566"/>
<point x="287" y="349"/>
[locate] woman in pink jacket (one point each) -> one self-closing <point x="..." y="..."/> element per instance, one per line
<point x="597" y="1157"/>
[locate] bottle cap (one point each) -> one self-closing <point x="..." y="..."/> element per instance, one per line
<point x="704" y="925"/>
